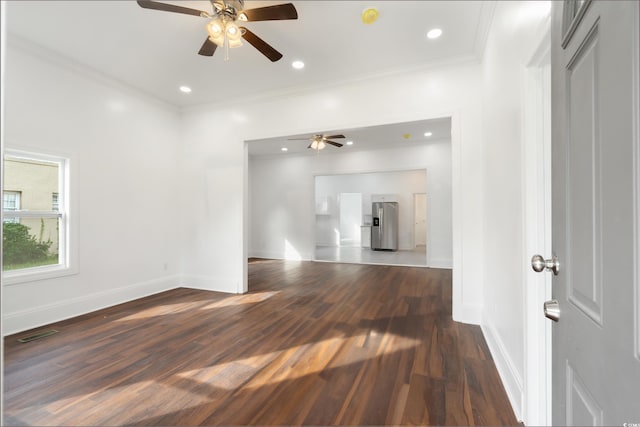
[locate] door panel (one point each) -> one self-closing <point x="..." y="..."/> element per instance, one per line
<point x="582" y="409"/>
<point x="596" y="371"/>
<point x="583" y="172"/>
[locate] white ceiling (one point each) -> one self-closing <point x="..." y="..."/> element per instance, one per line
<point x="155" y="52"/>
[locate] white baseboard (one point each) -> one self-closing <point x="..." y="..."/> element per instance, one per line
<point x="55" y="312"/>
<point x="229" y="285"/>
<point x="440" y="263"/>
<point x="279" y="255"/>
<point x="467" y="313"/>
<point x="511" y="378"/>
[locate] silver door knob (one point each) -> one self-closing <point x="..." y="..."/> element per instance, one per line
<point x="552" y="310"/>
<point x="538" y="263"/>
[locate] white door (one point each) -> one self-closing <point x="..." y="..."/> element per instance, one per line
<point x="595" y="149"/>
<point x="420" y="219"/>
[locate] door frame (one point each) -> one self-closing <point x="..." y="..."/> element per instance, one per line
<point x="426" y="218"/>
<point x="536" y="202"/>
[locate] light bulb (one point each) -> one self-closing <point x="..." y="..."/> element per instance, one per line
<point x="216" y="32"/>
<point x="321" y="145"/>
<point x="314" y="145"/>
<point x="234" y="35"/>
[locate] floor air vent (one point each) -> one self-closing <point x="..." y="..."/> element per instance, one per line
<point x="38" y="336"/>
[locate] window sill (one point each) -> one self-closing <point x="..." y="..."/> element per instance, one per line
<point x="16" y="277"/>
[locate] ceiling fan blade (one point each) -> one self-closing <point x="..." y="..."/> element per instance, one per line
<point x="337" y="144"/>
<point x="261" y="45"/>
<point x="148" y="4"/>
<point x="334" y="136"/>
<point x="271" y="13"/>
<point x="208" y="48"/>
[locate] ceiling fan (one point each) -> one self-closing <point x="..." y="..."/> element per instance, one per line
<point x="222" y="27"/>
<point x="318" y="142"/>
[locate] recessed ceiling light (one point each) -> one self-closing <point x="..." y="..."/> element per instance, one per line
<point x="370" y="15"/>
<point x="349" y="142"/>
<point x="298" y="65"/>
<point x="284" y="149"/>
<point x="185" y="89"/>
<point x="428" y="134"/>
<point x="434" y="34"/>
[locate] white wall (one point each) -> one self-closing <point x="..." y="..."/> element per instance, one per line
<point x="515" y="34"/>
<point x="215" y="172"/>
<point x="124" y="164"/>
<point x="275" y="213"/>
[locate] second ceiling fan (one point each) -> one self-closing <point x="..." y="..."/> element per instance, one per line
<point x="222" y="27"/>
<point x="318" y="142"/>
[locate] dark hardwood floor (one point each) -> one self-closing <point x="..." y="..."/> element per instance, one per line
<point x="311" y="344"/>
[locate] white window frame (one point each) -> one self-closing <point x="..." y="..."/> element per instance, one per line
<point x="18" y="199"/>
<point x="67" y="247"/>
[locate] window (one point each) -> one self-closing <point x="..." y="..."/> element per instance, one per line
<point x="34" y="216"/>
<point x="11" y="202"/>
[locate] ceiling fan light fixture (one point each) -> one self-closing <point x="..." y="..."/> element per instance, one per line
<point x="321" y="145"/>
<point x="314" y="145"/>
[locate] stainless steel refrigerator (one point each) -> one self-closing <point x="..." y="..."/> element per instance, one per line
<point x="384" y="228"/>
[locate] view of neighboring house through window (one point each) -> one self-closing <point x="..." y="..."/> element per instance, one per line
<point x="34" y="217"/>
<point x="11" y="202"/>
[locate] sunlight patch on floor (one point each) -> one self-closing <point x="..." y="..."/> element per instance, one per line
<point x="251" y="298"/>
<point x="136" y="411"/>
<point x="161" y="310"/>
<point x="306" y="359"/>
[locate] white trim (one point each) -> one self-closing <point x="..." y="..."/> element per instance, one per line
<point x="68" y="201"/>
<point x="68" y="308"/>
<point x="461" y="311"/>
<point x="211" y="283"/>
<point x="511" y="379"/>
<point x="439" y="263"/>
<point x="536" y="217"/>
<point x="66" y="63"/>
<point x="3" y="50"/>
<point x="467" y="313"/>
<point x="280" y="255"/>
<point x="485" y="20"/>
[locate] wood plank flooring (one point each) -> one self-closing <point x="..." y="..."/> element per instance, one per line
<point x="311" y="344"/>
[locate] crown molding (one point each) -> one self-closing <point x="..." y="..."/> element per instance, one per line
<point x="306" y="89"/>
<point x="45" y="54"/>
<point x="485" y="21"/>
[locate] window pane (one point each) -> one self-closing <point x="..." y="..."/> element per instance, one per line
<point x="30" y="185"/>
<point x="33" y="242"/>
